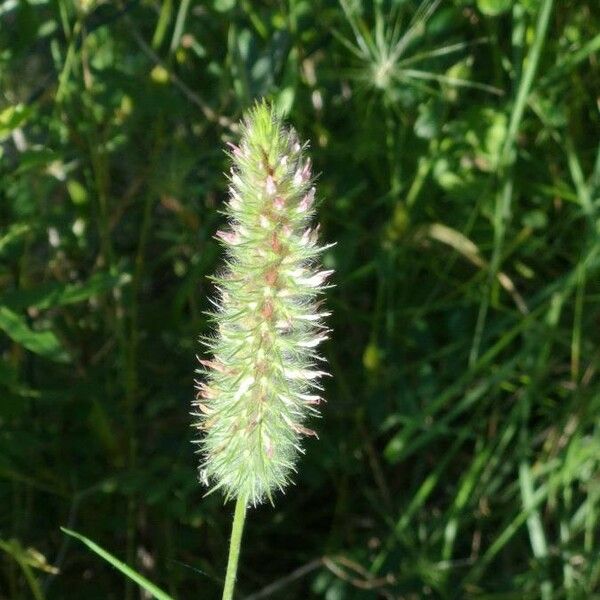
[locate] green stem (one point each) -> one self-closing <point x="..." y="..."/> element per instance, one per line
<point x="234" y="547"/>
<point x="506" y="160"/>
<point x="179" y="24"/>
<point x="68" y="64"/>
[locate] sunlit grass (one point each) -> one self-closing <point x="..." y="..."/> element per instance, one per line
<point x="459" y="449"/>
<point x="393" y="51"/>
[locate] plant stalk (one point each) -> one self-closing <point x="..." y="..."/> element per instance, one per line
<point x="237" y="529"/>
<point x="507" y="158"/>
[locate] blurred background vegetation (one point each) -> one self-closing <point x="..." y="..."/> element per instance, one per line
<point x="458" y="146"/>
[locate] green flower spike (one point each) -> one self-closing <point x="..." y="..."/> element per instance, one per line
<point x="262" y="380"/>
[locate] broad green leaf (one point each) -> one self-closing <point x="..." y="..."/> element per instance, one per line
<point x="120" y="566"/>
<point x="44" y="343"/>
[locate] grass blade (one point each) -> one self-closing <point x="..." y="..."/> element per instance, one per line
<point x="120" y="566"/>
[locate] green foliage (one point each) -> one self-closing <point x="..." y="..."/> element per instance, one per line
<point x="457" y="146"/>
<point x="120" y="566"/>
<point x="43" y="343"/>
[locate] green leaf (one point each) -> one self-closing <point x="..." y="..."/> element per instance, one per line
<point x="493" y="8"/>
<point x="14" y="232"/>
<point x="120" y="566"/>
<point x="35" y="158"/>
<point x="11" y="118"/>
<point x="77" y="192"/>
<point x="44" y="343"/>
<point x="223" y="5"/>
<point x="285" y="100"/>
<point x="164" y="19"/>
<point x="429" y="121"/>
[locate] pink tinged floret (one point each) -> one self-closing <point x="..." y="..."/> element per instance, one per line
<point x="299" y="428"/>
<point x="302" y="174"/>
<point x="304" y="430"/>
<point x="235" y="149"/>
<point x="306" y="203"/>
<point x="275" y="243"/>
<point x="203" y="408"/>
<point x="229" y="237"/>
<point x="215" y="365"/>
<point x="270" y="186"/>
<point x="284" y="160"/>
<point x="284" y="325"/>
<point x="306" y="170"/>
<point x="310" y="237"/>
<point x="298" y="177"/>
<point x="279" y="203"/>
<point x="268" y="447"/>
<point x="204" y="391"/>
<point x="307" y="237"/>
<point x="310" y="398"/>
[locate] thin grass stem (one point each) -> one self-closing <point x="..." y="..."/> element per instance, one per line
<point x="237" y="529"/>
<point x="506" y="160"/>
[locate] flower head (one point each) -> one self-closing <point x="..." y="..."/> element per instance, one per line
<point x="262" y="381"/>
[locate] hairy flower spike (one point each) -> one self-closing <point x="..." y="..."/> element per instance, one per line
<point x="262" y="381"/>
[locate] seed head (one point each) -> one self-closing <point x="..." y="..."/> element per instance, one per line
<point x="262" y="380"/>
